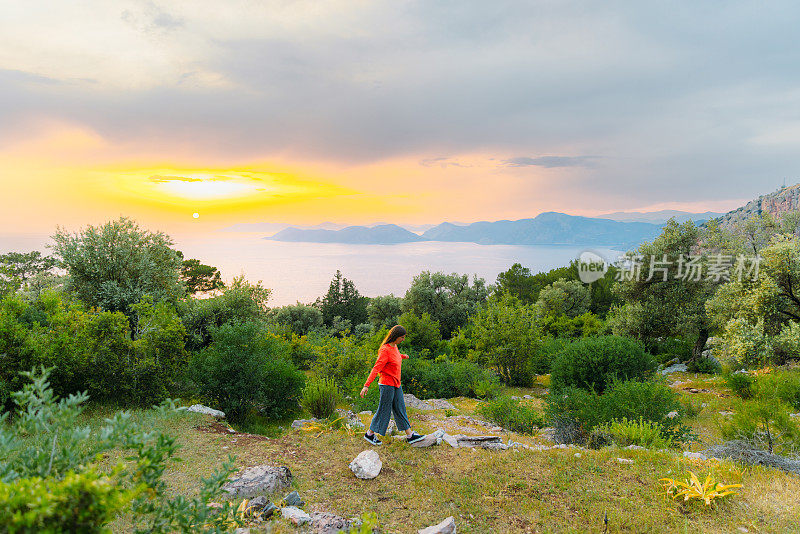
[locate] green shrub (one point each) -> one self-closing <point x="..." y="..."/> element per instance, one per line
<point x="511" y="414"/>
<point x="765" y="423"/>
<point x="669" y="348"/>
<point x="784" y="386"/>
<point x="741" y="384"/>
<point x="703" y="365"/>
<point x="593" y="363"/>
<point x="505" y="335"/>
<point x="51" y="479"/>
<point x="583" y="410"/>
<point x="320" y="396"/>
<point x="247" y="368"/>
<point x="351" y="386"/>
<point x="341" y="357"/>
<point x="541" y="360"/>
<point x="424" y="336"/>
<point x="563" y="326"/>
<point x="625" y="432"/>
<point x="443" y="378"/>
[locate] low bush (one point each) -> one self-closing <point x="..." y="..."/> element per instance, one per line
<point x="511" y="414"/>
<point x="782" y="385"/>
<point x="351" y="387"/>
<point x="593" y="363"/>
<point x="625" y="432"/>
<point x="708" y="366"/>
<point x="764" y="423"/>
<point x="579" y="411"/>
<point x="247" y="368"/>
<point x="669" y="348"/>
<point x="741" y="383"/>
<point x="320" y="396"/>
<point x="443" y="378"/>
<point x="64" y="488"/>
<point x="541" y="361"/>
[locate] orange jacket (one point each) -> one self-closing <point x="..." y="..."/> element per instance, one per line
<point x="388" y="365"/>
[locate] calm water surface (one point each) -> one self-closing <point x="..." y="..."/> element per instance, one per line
<point x="303" y="271"/>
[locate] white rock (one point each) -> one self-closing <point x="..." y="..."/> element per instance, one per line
<point x="366" y="465"/>
<point x="725" y="413"/>
<point x="258" y="480"/>
<point x="527" y="396"/>
<point x="450" y="440"/>
<point x="794" y="414"/>
<point x="577" y="455"/>
<point x="295" y="515"/>
<point x="365" y="412"/>
<point x="672" y="415"/>
<point x="199" y="408"/>
<point x="448" y="526"/>
<point x="635" y="448"/>
<point x="624" y="461"/>
<point x="694" y="455"/>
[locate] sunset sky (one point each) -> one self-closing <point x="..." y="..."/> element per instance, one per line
<point x="410" y="112"/>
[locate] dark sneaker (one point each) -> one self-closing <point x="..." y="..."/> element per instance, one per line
<point x="413" y="438"/>
<point x="373" y="439"/>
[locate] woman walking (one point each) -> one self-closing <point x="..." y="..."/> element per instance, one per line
<point x="391" y="393"/>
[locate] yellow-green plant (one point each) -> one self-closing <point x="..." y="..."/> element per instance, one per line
<point x="320" y="427"/>
<point x="692" y="488"/>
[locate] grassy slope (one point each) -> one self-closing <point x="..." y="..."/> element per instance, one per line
<point x="500" y="491"/>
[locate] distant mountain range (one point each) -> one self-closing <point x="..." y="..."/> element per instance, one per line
<point x="660" y="217"/>
<point x="549" y="228"/>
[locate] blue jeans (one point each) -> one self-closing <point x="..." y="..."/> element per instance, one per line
<point x="391" y="400"/>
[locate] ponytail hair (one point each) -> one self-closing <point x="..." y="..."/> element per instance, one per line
<point x="396" y="332"/>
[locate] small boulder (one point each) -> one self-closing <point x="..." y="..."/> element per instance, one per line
<point x="256" y="504"/>
<point x="327" y="523"/>
<point x="624" y="460"/>
<point x="199" y="408"/>
<point x="365" y="412"/>
<point x="672" y="415"/>
<point x="366" y="465"/>
<point x="293" y="499"/>
<point x="260" y="479"/>
<point x="295" y="515"/>
<point x="448" y="526"/>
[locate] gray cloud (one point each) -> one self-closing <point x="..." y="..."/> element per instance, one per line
<point x="670" y="99"/>
<point x="551" y="162"/>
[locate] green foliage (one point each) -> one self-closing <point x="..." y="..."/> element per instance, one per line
<point x="423" y="336"/>
<point x="384" y="311"/>
<point x="625" y="432"/>
<point x="564" y="297"/>
<point x="114" y="265"/>
<point x="449" y="299"/>
<point x="247" y="368"/>
<point x="593" y="363"/>
<point x="505" y="337"/>
<point x="763" y="422"/>
<point x="650" y="401"/>
<point x="78" y="502"/>
<point x="658" y="302"/>
<point x="703" y="365"/>
<point x="740" y="383"/>
<point x="93" y="351"/>
<point x="747" y="342"/>
<point x="343" y="300"/>
<point x="301" y="319"/>
<point x="587" y="324"/>
<point x="541" y="361"/>
<point x="781" y="385"/>
<point x="29" y="271"/>
<point x="240" y="301"/>
<point x="51" y="479"/>
<point x="669" y="348"/>
<point x="320" y="396"/>
<point x="511" y="414"/>
<point x="341" y="357"/>
<point x="351" y="386"/>
<point x="443" y="378"/>
<point x="199" y="278"/>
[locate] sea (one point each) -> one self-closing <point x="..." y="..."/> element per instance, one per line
<point x="301" y="272"/>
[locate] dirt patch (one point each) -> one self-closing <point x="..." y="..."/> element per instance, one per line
<point x="241" y="437"/>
